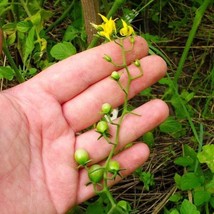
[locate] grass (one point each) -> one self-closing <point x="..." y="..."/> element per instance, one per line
<point x="179" y="31"/>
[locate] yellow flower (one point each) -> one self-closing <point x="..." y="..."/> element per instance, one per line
<point x="127" y="30"/>
<point x="107" y="28"/>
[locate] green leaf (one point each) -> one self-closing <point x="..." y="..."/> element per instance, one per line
<point x="172" y="127"/>
<point x="184" y="161"/>
<point x="29" y="44"/>
<point x="70" y="33"/>
<point x="23" y="26"/>
<point x="179" y="109"/>
<point x="201" y="197"/>
<point x="187" y="208"/>
<point x="207" y="156"/>
<point x="62" y="50"/>
<point x="96" y="207"/>
<point x="177" y="179"/>
<point x="190" y="152"/>
<point x="189" y="181"/>
<point x="174" y="211"/>
<point x="146" y="92"/>
<point x="210" y="186"/>
<point x="3" y="3"/>
<point x="148" y="180"/>
<point x="11" y="38"/>
<point x="148" y="138"/>
<point x="186" y="95"/>
<point x="176" y="197"/>
<point x="7" y="72"/>
<point x="36" y="18"/>
<point x="9" y="28"/>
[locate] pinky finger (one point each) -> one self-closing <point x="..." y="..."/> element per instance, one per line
<point x="129" y="159"/>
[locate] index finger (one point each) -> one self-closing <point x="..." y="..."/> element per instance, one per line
<point x="68" y="78"/>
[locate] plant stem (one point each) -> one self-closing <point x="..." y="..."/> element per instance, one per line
<point x="197" y="20"/>
<point x="24" y="5"/>
<point x="18" y="74"/>
<point x="116" y="141"/>
<point x="117" y="4"/>
<point x="60" y="19"/>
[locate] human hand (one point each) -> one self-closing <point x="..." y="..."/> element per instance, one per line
<point x="41" y="118"/>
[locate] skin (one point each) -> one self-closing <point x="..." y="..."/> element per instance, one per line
<point x="41" y="120"/>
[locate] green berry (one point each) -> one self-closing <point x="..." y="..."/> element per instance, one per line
<point x="81" y="157"/>
<point x="115" y="75"/>
<point x="137" y="63"/>
<point x="106" y="108"/>
<point x="102" y="127"/>
<point x="113" y="166"/>
<point x="95" y="173"/>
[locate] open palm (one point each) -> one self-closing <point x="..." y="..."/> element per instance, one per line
<point x="41" y="121"/>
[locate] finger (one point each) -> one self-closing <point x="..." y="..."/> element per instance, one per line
<point x="130" y="159"/>
<point x="149" y="116"/>
<point x="71" y="76"/>
<point x="84" y="110"/>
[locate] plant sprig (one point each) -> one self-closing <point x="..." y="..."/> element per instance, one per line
<point x="100" y="176"/>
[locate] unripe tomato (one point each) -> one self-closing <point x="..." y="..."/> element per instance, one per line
<point x="137" y="62"/>
<point x="115" y="75"/>
<point x="95" y="173"/>
<point x="102" y="127"/>
<point x="113" y="166"/>
<point x="106" y="108"/>
<point x="81" y="156"/>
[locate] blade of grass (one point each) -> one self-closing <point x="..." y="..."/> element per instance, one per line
<point x="18" y="74"/>
<point x="197" y="20"/>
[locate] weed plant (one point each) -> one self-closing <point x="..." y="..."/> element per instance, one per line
<point x="178" y="177"/>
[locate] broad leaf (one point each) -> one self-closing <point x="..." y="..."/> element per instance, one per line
<point x="7" y="73"/>
<point x="172" y="127"/>
<point x="201" y="197"/>
<point x="189" y="181"/>
<point x="187" y="208"/>
<point x="62" y="50"/>
<point x="23" y="26"/>
<point x="207" y="156"/>
<point x="29" y="44"/>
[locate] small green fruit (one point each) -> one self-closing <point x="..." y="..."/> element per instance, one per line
<point x="137" y="63"/>
<point x="102" y="127"/>
<point x="113" y="166"/>
<point x="106" y="108"/>
<point x="115" y="75"/>
<point x="81" y="156"/>
<point x="95" y="173"/>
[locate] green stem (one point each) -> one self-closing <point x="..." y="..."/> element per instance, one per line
<point x="24" y="5"/>
<point x="117" y="4"/>
<point x="207" y="208"/>
<point x="197" y="20"/>
<point x="18" y="74"/>
<point x="124" y="112"/>
<point x="60" y="19"/>
<point x="175" y="89"/>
